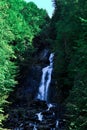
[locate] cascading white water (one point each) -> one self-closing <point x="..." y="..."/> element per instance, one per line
<point x="34" y="128"/>
<point x="49" y="106"/>
<point x="57" y="123"/>
<point x="40" y="116"/>
<point x="45" y="80"/>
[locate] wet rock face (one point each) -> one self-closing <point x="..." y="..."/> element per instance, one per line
<point x="27" y="91"/>
<point x="38" y="104"/>
<point x="38" y="114"/>
<point x="33" y="80"/>
<point x="29" y="88"/>
<point x="44" y="56"/>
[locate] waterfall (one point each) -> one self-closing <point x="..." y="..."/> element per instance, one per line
<point x="43" y="95"/>
<point x="45" y="80"/>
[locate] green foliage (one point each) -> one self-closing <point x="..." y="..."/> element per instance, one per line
<point x="78" y="95"/>
<point x="20" y="23"/>
<point x="34" y="16"/>
<point x="16" y="34"/>
<point x="70" y="44"/>
<point x="6" y="53"/>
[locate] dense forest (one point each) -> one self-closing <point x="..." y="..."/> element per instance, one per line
<point x="21" y="26"/>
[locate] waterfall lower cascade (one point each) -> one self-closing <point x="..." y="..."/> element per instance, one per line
<point x="46" y="79"/>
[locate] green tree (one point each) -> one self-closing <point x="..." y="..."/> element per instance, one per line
<point x="35" y="17"/>
<point x="16" y="49"/>
<point x="7" y="67"/>
<point x="70" y="38"/>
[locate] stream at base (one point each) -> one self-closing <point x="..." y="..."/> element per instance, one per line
<point x="40" y="116"/>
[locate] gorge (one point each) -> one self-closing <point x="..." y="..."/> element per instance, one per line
<point x="43" y="66"/>
<point x="39" y="113"/>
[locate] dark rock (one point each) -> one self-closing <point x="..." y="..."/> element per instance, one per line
<point x="38" y="104"/>
<point x="44" y="56"/>
<point x="48" y="115"/>
<point x="33" y="118"/>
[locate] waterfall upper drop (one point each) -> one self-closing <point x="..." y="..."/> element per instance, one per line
<point x="46" y="80"/>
